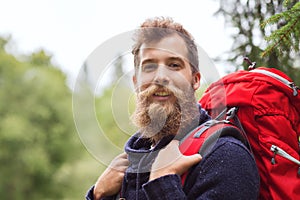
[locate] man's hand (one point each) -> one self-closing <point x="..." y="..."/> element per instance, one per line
<point x="110" y="182"/>
<point x="171" y="161"/>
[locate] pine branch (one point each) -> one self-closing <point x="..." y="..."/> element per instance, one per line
<point x="285" y="35"/>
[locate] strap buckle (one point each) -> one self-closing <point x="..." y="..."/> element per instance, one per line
<point x="231" y="113"/>
<point x="252" y="65"/>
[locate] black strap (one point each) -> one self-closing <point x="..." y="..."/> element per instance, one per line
<point x="227" y="130"/>
<point x="232" y="127"/>
<point x="232" y="115"/>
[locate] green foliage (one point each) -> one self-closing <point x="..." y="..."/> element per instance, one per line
<point x="287" y="36"/>
<point x="37" y="134"/>
<point x="245" y="19"/>
<point x="113" y="113"/>
<point x="40" y="58"/>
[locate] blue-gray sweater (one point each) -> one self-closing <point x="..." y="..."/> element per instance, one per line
<point x="227" y="172"/>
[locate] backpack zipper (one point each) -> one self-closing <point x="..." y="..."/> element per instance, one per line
<point x="276" y="150"/>
<point x="290" y="84"/>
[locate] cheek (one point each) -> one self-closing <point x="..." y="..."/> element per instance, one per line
<point x="144" y="81"/>
<point x="182" y="81"/>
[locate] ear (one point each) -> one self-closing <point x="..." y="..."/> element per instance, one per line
<point x="196" y="80"/>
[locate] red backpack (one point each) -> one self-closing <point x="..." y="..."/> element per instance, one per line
<point x="265" y="105"/>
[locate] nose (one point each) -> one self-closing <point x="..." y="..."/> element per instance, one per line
<point x="161" y="76"/>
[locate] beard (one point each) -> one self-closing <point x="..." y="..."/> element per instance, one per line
<point x="157" y="120"/>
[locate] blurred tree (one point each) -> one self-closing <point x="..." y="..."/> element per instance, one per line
<point x="248" y="20"/>
<point x="37" y="134"/>
<point x="113" y="114"/>
<point x="115" y="105"/>
<point x="40" y="58"/>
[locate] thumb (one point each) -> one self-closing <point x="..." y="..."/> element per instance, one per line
<point x="191" y="160"/>
<point x="188" y="161"/>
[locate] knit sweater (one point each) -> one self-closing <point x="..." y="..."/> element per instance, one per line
<point x="228" y="171"/>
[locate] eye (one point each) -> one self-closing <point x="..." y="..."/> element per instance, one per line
<point x="148" y="67"/>
<point x="175" y="65"/>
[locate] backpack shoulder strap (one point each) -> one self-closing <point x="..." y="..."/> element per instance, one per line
<point x="203" y="138"/>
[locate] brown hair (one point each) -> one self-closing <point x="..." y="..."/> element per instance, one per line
<point x="155" y="29"/>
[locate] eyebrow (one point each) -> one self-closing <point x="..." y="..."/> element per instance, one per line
<point x="176" y="58"/>
<point x="150" y="60"/>
<point x="153" y="60"/>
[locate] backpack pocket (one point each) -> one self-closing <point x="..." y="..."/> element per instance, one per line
<point x="279" y="157"/>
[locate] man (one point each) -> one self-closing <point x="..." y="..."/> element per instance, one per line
<point x="166" y="78"/>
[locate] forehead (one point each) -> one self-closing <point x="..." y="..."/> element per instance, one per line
<point x="172" y="45"/>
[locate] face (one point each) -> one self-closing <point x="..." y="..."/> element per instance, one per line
<point x="165" y="63"/>
<point x="165" y="88"/>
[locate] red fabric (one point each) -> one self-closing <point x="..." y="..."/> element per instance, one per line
<point x="191" y="144"/>
<point x="270" y="115"/>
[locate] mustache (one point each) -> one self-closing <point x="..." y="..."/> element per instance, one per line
<point x="151" y="90"/>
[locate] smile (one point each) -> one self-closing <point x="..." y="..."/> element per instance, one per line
<point x="162" y="94"/>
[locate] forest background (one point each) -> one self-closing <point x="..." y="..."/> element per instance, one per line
<point x="42" y="155"/>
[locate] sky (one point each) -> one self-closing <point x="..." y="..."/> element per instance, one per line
<point x="70" y="30"/>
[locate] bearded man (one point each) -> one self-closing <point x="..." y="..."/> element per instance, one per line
<point x="166" y="78"/>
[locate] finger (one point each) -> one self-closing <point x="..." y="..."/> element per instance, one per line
<point x="122" y="162"/>
<point x="121" y="159"/>
<point x="173" y="145"/>
<point x="122" y="168"/>
<point x="174" y="142"/>
<point x="122" y="155"/>
<point x="192" y="160"/>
